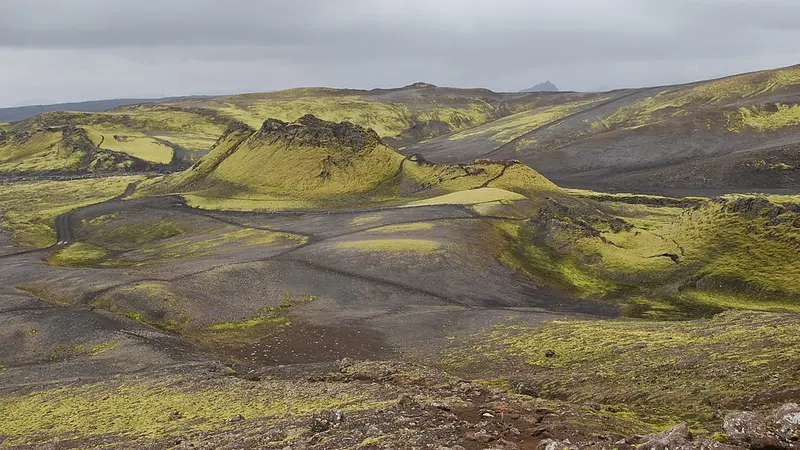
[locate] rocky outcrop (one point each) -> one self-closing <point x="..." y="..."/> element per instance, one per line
<point x="778" y="430"/>
<point x="310" y="131"/>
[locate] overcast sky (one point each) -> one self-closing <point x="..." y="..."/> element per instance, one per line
<point x="72" y="50"/>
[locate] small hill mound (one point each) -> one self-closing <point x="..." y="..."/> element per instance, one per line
<point x="315" y="163"/>
<point x="308" y="159"/>
<point x="156" y="133"/>
<point x="60" y="149"/>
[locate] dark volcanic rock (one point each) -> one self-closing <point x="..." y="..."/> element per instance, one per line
<point x="310" y="131"/>
<point x="781" y="430"/>
<point x="680" y="438"/>
<point x="326" y="421"/>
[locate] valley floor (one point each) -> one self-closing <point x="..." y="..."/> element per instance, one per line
<point x="152" y="324"/>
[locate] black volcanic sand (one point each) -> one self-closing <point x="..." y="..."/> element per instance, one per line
<point x="676" y="157"/>
<point x="367" y="304"/>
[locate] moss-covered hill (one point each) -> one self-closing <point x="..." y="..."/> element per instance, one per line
<point x="181" y="131"/>
<point x="61" y="149"/>
<point x="138" y="139"/>
<point x="662" y="259"/>
<point x="312" y="163"/>
<point x="400" y="116"/>
<point x="735" y="133"/>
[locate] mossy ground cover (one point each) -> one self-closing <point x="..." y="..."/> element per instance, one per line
<point x="763" y="119"/>
<point x="136" y="409"/>
<point x="126" y="231"/>
<point x="162" y="251"/>
<point x="29" y="208"/>
<point x="743" y="249"/>
<point x="230" y="339"/>
<point x="663" y="371"/>
<point x="146" y="132"/>
<point x="79" y="254"/>
<point x="469" y="197"/>
<point x="403" y="228"/>
<point x="390" y="119"/>
<point x="137" y="145"/>
<point x="65" y="148"/>
<point x="509" y="128"/>
<point x="663" y="261"/>
<point x="682" y="100"/>
<point x="139" y="120"/>
<point x="17" y="151"/>
<point x="329" y="174"/>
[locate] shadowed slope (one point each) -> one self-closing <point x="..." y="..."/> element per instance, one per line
<point x="657" y="139"/>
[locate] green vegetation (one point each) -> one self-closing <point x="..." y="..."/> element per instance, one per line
<point x="509" y="128"/>
<point x="29" y="208"/>
<point x="180" y="126"/>
<point x="139" y="146"/>
<point x="120" y="232"/>
<point x="662" y="262"/>
<point x="79" y="254"/>
<point x="447" y="178"/>
<point x="681" y="101"/>
<point x="366" y="219"/>
<point x="390" y="119"/>
<point x="664" y="371"/>
<point x="63" y="352"/>
<point x="727" y="239"/>
<point x="403" y="227"/>
<point x="168" y="324"/>
<point x="121" y="140"/>
<point x="268" y="320"/>
<point x="56" y="149"/>
<point x="470" y="197"/>
<point x="761" y="119"/>
<point x="200" y="244"/>
<point x="137" y="409"/>
<point x="269" y="315"/>
<point x="311" y="173"/>
<point x="312" y="169"/>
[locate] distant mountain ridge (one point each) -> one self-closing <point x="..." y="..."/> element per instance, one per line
<point x="18" y="113"/>
<point x="547" y="86"/>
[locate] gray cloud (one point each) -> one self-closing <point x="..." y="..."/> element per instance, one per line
<point x="84" y="49"/>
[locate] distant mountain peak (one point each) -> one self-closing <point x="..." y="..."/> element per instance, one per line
<point x="547" y="86"/>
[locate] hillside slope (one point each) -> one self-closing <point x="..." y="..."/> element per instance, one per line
<point x="155" y="135"/>
<point x="735" y="133"/>
<point x="315" y="163"/>
<point x="18" y="113"/>
<point x="62" y="150"/>
<point x="400" y="116"/>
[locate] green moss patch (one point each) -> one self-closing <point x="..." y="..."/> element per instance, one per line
<point x="29" y="208"/>
<point x="79" y="254"/>
<point x="470" y="197"/>
<point x="662" y="261"/>
<point x="684" y="370"/>
<point x="136" y="409"/>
